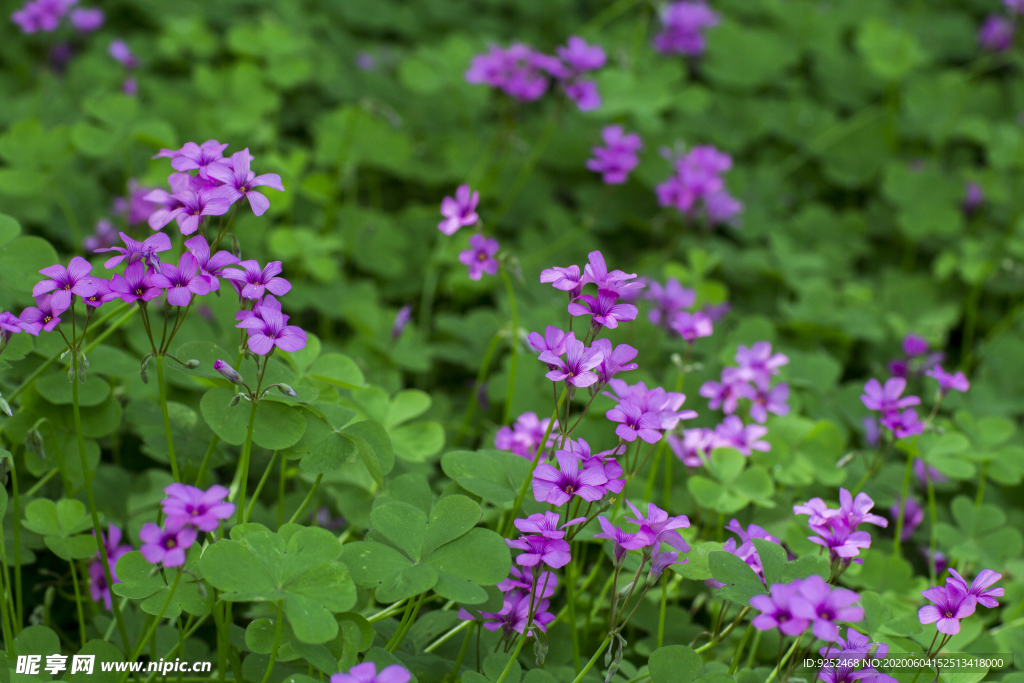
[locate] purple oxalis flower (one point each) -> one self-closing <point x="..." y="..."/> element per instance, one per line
<point x="206" y="201"/>
<point x="367" y="673"/>
<point x="757" y="364"/>
<point x="951" y="603"/>
<point x="102" y="295"/>
<point x="567" y="279"/>
<point x="694" y="447"/>
<point x="240" y="181"/>
<point x="522" y="578"/>
<point x="618" y="156"/>
<point x="691" y="326"/>
<point x="913" y="515"/>
<point x="732" y="433"/>
<point x="776" y="610"/>
<point x="823" y="606"/>
<point x="269" y="329"/>
<point x="195" y="157"/>
<point x="774" y="400"/>
<point x="887" y="398"/>
<point x="577" y="366"/>
<point x="182" y="281"/>
<point x="479" y="258"/>
<point x="136" y="283"/>
<point x="581" y="57"/>
<point x="402" y="319"/>
<point x="852" y="511"/>
<point x="9" y="325"/>
<point x="984" y="579"/>
<point x="41" y="317"/>
<point x="683" y="24"/>
<point x="255" y="282"/>
<point x="842" y="542"/>
<point x="623" y="540"/>
<point x="668" y="299"/>
<point x="553" y="552"/>
<point x="915" y="345"/>
<point x="603" y="310"/>
<point x="974" y="197"/>
<point x="613" y="360"/>
<point x="553" y="341"/>
<point x="86" y="20"/>
<point x="903" y="424"/>
<point x="120" y="51"/>
<point x="134" y="250"/>
<point x="525" y="436"/>
<point x="558" y="486"/>
<point x="459" y="211"/>
<point x="546" y="524"/>
<point x="996" y="33"/>
<point x="166" y="546"/>
<point x="634" y="422"/>
<point x="66" y="282"/>
<point x="210" y="267"/>
<point x="515" y="612"/>
<point x="188" y="505"/>
<point x="658" y="527"/>
<point x="596" y="271"/>
<point x="727" y="393"/>
<point x="947" y="381"/>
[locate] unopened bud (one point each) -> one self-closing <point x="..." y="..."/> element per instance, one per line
<point x="5" y="407"/>
<point x="192" y="364"/>
<point x="286" y="390"/>
<point x="142" y="368"/>
<point x="71" y="374"/>
<point x="236" y="248"/>
<point x="228" y="372"/>
<point x="34" y="443"/>
<point x="234" y="401"/>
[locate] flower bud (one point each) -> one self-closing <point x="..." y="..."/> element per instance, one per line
<point x="234" y="401"/>
<point x="5" y="407"/>
<point x="286" y="390"/>
<point x="192" y="364"/>
<point x="228" y="372"/>
<point x="142" y="368"/>
<point x="34" y="443"/>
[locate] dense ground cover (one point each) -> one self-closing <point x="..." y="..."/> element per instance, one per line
<point x="417" y="307"/>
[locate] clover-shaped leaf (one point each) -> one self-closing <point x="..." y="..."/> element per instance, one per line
<point x="981" y="533"/>
<point x="674" y="664"/>
<point x="299" y="565"/>
<point x="139" y="580"/>
<point x="495" y="476"/>
<point x="277" y="425"/>
<point x="408" y="552"/>
<point x="324" y="447"/>
<point x="741" y="582"/>
<point x="61" y="525"/>
<point x="734" y="485"/>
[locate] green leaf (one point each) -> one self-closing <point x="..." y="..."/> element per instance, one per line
<point x="889" y="51"/>
<point x="56" y="389"/>
<point x="773" y="560"/>
<point x="9" y="228"/>
<point x="22" y="258"/>
<point x="696" y="568"/>
<point x="418" y="441"/>
<point x="277" y="425"/>
<point x="406" y="405"/>
<point x="741" y="583"/>
<point x="403" y="524"/>
<point x="337" y="369"/>
<point x="103" y="652"/>
<point x="374" y="447"/>
<point x="495" y="476"/>
<point x="207" y="353"/>
<point x="673" y="664"/>
<point x="726" y="464"/>
<point x="139" y="582"/>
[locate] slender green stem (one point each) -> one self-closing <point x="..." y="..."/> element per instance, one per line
<point x="140" y="645"/>
<point x="739" y="650"/>
<point x="243" y="463"/>
<point x="481" y="375"/>
<point x="512" y="659"/>
<point x="78" y="601"/>
<point x="570" y="595"/>
<point x="309" y="497"/>
<point x="649" y="489"/>
<point x="167" y="417"/>
<point x="282" y="479"/>
<point x="404" y="631"/>
<point x="454" y="673"/>
<point x="448" y="634"/>
<point x="932" y="520"/>
<point x="782" y="662"/>
<point x="536" y="461"/>
<point x="259" y="486"/>
<point x="593" y="660"/>
<point x="277" y="640"/>
<point x="42" y="481"/>
<point x="206" y="459"/>
<point x="6" y="606"/>
<point x="401" y="624"/>
<point x="222" y="641"/>
<point x="980" y="498"/>
<point x="91" y="497"/>
<point x="514" y="341"/>
<point x="19" y="606"/>
<point x="189" y="630"/>
<point x="661" y="613"/>
<point x="903" y="505"/>
<point x="430" y="279"/>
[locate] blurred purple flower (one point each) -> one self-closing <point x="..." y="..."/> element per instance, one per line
<point x="120" y="51"/>
<point x="694" y="447"/>
<point x="104" y="235"/>
<point x="166" y="546"/>
<point x="402" y="319"/>
<point x="776" y="610"/>
<point x="731" y="433"/>
<point x="974" y="197"/>
<point x="691" y="326"/>
<point x="618" y="156"/>
<point x="913" y="515"/>
<point x="823" y="606"/>
<point x="668" y="299"/>
<point x="367" y="673"/>
<point x="479" y="258"/>
<point x="613" y="360"/>
<point x="525" y="436"/>
<point x="86" y="19"/>
<point x="947" y="381"/>
<point x="683" y="24"/>
<point x="887" y="398"/>
<point x="996" y="33"/>
<point x="459" y="211"/>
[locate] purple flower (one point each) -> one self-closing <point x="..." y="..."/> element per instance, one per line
<point x="691" y="326"/>
<point x="727" y="393"/>
<point x="255" y="282"/>
<point x="731" y="433"/>
<point x="167" y="202"/>
<point x="947" y="381"/>
<point x="694" y="447"/>
<point x="65" y="282"/>
<point x="841" y="541"/>
<point x="846" y="667"/>
<point x="196" y="157"/>
<point x="584" y="93"/>
<point x="133" y="250"/>
<point x="402" y="319"/>
<point x="553" y="341"/>
<point x="558" y="486"/>
<point x="758" y="363"/>
<point x="135" y="208"/>
<point x="181" y="282"/>
<point x="660" y="562"/>
<point x="575" y="369"/>
<point x="479" y="258"/>
<point x="130" y="86"/>
<point x="633" y="423"/>
<point x="546" y="524"/>
<point x="605" y="459"/>
<point x="566" y="279"/>
<point x="683" y="24"/>
<point x="137" y="283"/>
<point x="228" y="372"/>
<point x="657" y="527"/>
<point x="662" y="404"/>
<point x="1014" y="6"/>
<point x="974" y="197"/>
<point x="996" y="35"/>
<point x="207" y="201"/>
<point x="887" y="398"/>
<point x="951" y="603"/>
<point x="623" y="540"/>
<point x="269" y="329"/>
<point x="984" y="579"/>
<point x="9" y="325"/>
<point x="87" y="20"/>
<point x="596" y="271"/>
<point x="459" y="211"/>
<point x="166" y="546"/>
<point x="210" y="267"/>
<point x="913" y="515"/>
<point x="104" y="235"/>
<point x="603" y="310"/>
<point x="522" y="578"/>
<point x="925" y="472"/>
<point x="618" y="157"/>
<point x="852" y="511"/>
<point x="669" y="300"/>
<point x="773" y="400"/>
<point x="44" y="316"/>
<point x="188" y="505"/>
<point x="613" y="360"/>
<point x="914" y="345"/>
<point x="98" y="588"/>
<point x="903" y="424"/>
<point x="553" y="552"/>
<point x="722" y="207"/>
<point x="746" y="550"/>
<point x="41" y="15"/>
<point x="102" y="295"/>
<point x="515" y="612"/>
<point x="776" y="610"/>
<point x="120" y="51"/>
<point x="581" y="57"/>
<point x="823" y="605"/>
<point x="525" y="436"/>
<point x="518" y="71"/>
<point x="367" y="673"/>
<point x="240" y="181"/>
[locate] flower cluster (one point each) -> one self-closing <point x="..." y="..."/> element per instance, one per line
<point x="956" y="600"/>
<point x="645" y="413"/>
<point x="98" y="588"/>
<point x="618" y="157"/>
<point x="604" y="309"/>
<point x="806" y="603"/>
<point x="654" y="530"/>
<point x="890" y="402"/>
<point x="525" y="436"/>
<point x="916" y="358"/>
<point x="697" y="187"/>
<point x="46" y="15"/>
<point x="745" y="550"/>
<point x="847" y="654"/>
<point x="525" y="74"/>
<point x="836" y="528"/>
<point x="123" y="54"/>
<point x="683" y="25"/>
<point x="187" y="510"/>
<point x="751" y="380"/>
<point x="367" y="673"/>
<point x="578" y="475"/>
<point x="525" y="602"/>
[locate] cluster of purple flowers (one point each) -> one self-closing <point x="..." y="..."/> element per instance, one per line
<point x="745" y="550"/>
<point x="888" y="400"/>
<point x="526" y="74"/>
<point x="836" y="528"/>
<point x="751" y="380"/>
<point x="655" y="531"/>
<point x="617" y="157"/>
<point x="188" y="510"/>
<point x="645" y="413"/>
<point x="806" y="603"/>
<point x="98" y="588"/>
<point x="996" y="32"/>
<point x="578" y="475"/>
<point x="956" y="600"/>
<point x="367" y="673"/>
<point x="683" y="26"/>
<point x="46" y="15"/>
<point x="697" y="187"/>
<point x="604" y="309"/>
<point x="525" y="436"/>
<point x="460" y="211"/>
<point x="123" y="54"/>
<point x="845" y="665"/>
